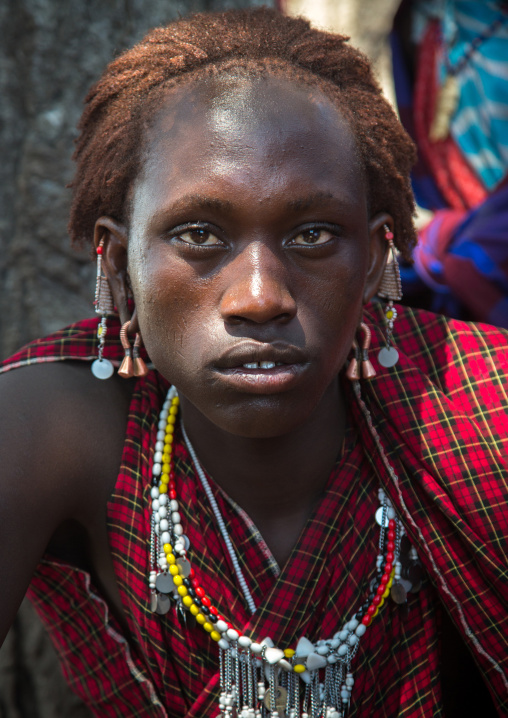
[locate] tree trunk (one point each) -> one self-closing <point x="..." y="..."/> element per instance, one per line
<point x="50" y="53"/>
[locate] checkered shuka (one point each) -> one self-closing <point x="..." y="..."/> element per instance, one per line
<point x="442" y="417"/>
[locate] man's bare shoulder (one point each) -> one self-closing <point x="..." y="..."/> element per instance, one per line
<point x="61" y="438"/>
<point x="57" y="421"/>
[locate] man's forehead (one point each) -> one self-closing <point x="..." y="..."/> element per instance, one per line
<point x="259" y="133"/>
<point x="236" y="104"/>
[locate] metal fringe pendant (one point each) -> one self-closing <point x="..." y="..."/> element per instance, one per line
<point x="391" y="285"/>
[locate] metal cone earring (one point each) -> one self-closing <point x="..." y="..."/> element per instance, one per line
<point x="353" y="370"/>
<point x="140" y="368"/>
<point x="360" y="364"/>
<point x="102" y="368"/>
<point x="132" y="364"/>
<point x="391" y="290"/>
<point x="126" y="370"/>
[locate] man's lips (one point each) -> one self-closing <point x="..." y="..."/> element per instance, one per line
<point x="259" y="356"/>
<point x="259" y="368"/>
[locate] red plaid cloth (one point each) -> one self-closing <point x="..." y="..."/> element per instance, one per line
<point x="442" y="418"/>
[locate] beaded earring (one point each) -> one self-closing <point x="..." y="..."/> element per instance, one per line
<point x="132" y="364"/>
<point x="360" y="365"/>
<point x="391" y="290"/>
<point x="102" y="368"/>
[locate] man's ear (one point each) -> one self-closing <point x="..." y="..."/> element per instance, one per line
<point x="114" y="263"/>
<point x="378" y="252"/>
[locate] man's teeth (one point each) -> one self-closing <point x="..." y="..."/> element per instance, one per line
<point x="261" y="365"/>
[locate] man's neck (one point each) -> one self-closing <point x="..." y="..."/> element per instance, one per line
<point x="278" y="480"/>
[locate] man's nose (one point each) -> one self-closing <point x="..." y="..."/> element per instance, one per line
<point x="257" y="289"/>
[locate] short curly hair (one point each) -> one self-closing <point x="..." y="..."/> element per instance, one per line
<point x="120" y="106"/>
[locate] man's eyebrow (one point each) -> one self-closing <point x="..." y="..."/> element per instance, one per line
<point x="313" y="200"/>
<point x="199" y="201"/>
<point x="188" y="205"/>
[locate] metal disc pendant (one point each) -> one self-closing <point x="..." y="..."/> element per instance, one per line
<point x="164" y="583"/>
<point x="153" y="602"/>
<point x="398" y="592"/>
<point x="163" y="604"/>
<point x="407" y="585"/>
<point x="379" y="518"/>
<point x="184" y="566"/>
<point x="102" y="369"/>
<point x="388" y="357"/>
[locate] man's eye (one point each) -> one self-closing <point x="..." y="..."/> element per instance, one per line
<point x="312" y="237"/>
<point x="202" y="237"/>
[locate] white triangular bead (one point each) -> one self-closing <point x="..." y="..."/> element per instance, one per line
<point x="304" y="647"/>
<point x="273" y="655"/>
<point x="315" y="661"/>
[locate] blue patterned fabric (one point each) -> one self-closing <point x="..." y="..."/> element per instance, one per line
<point x="480" y="124"/>
<point x="461" y="262"/>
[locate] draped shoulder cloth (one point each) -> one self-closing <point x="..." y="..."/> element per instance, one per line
<point x="441" y="415"/>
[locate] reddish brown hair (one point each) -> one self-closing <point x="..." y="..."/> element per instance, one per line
<point x="121" y="105"/>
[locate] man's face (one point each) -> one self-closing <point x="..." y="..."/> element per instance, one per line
<point x="248" y="250"/>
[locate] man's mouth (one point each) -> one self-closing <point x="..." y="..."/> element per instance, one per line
<point x="262" y="368"/>
<point x="251" y="355"/>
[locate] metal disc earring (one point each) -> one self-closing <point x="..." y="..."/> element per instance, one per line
<point x="391" y="290"/>
<point x="102" y="368"/>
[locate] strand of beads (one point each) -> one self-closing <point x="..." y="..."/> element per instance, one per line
<point x="220" y="521"/>
<point x="167" y="537"/>
<point x="390" y="317"/>
<point x="257" y="678"/>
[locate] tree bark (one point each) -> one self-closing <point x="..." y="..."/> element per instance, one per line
<point x="50" y="54"/>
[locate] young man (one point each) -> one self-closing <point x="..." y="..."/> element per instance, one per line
<point x="283" y="537"/>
